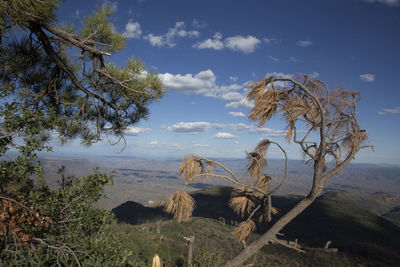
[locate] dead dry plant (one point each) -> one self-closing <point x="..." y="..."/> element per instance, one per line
<point x="322" y="122"/>
<point x="181" y="205"/>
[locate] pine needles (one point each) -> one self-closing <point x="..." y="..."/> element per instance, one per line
<point x="181" y="205"/>
<point x="244" y="229"/>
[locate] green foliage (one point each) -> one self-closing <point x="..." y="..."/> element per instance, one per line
<point x="48" y="88"/>
<point x="77" y="231"/>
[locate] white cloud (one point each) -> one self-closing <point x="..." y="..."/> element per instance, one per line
<point x="233" y="78"/>
<point x="239" y="127"/>
<point x="314" y="74"/>
<point x="237" y="114"/>
<point x="244" y="44"/>
<point x="113" y="4"/>
<point x="386" y="2"/>
<point x="214" y="43"/>
<point x="136" y="130"/>
<point x="268" y="132"/>
<point x="155" y="40"/>
<point x="274" y="59"/>
<point x="223" y="135"/>
<point x="236" y="43"/>
<point x="304" y="43"/>
<point x="295" y="60"/>
<point x="199" y="83"/>
<point x="395" y="110"/>
<point x="132" y="30"/>
<point x="169" y="39"/>
<point x="192" y="127"/>
<point x="368" y="77"/>
<point x="155" y="142"/>
<point x="203" y="126"/>
<point x="204" y="83"/>
<point x="198" y="23"/>
<point x="201" y="145"/>
<point x="232" y="96"/>
<point x="77" y="13"/>
<point x="241" y="103"/>
<point x="267" y="41"/>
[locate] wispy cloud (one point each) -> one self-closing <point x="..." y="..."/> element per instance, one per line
<point x="274" y="59"/>
<point x="198" y="23"/>
<point x="386" y="2"/>
<point x="203" y="126"/>
<point x="169" y="39"/>
<point x="385" y="111"/>
<point x="233" y="78"/>
<point x="237" y="114"/>
<point x="201" y="145"/>
<point x="304" y="43"/>
<point x="132" y="30"/>
<point x="223" y="135"/>
<point x="367" y="77"/>
<point x="113" y="4"/>
<point x="192" y="127"/>
<point x="295" y="60"/>
<point x="136" y="130"/>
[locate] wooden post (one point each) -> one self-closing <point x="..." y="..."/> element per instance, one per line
<point x="190" y="241"/>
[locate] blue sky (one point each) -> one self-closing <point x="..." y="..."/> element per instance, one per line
<point x="206" y="51"/>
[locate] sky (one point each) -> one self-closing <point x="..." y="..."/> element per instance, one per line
<point x="205" y="53"/>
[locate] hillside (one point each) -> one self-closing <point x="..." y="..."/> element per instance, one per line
<point x="360" y="235"/>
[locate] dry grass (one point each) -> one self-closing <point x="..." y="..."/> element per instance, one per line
<point x="244" y="229"/>
<point x="242" y="202"/>
<point x="181" y="205"/>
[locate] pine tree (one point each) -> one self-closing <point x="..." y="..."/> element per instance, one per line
<point x="58" y="79"/>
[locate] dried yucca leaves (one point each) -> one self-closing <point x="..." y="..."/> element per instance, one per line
<point x="181" y="205"/>
<point x="244" y="229"/>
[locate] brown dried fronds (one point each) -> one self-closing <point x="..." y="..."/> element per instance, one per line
<point x="258" y="88"/>
<point x="290" y="131"/>
<point x="257" y="162"/>
<point x="354" y="139"/>
<point x="263" y="181"/>
<point x="244" y="229"/>
<point x="181" y="205"/>
<point x="262" y="146"/>
<point x="242" y="201"/>
<point x="265" y="106"/>
<point x="190" y="167"/>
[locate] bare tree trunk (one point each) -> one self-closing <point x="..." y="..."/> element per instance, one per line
<point x="270" y="235"/>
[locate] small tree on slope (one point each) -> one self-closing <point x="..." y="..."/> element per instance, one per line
<point x="332" y="131"/>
